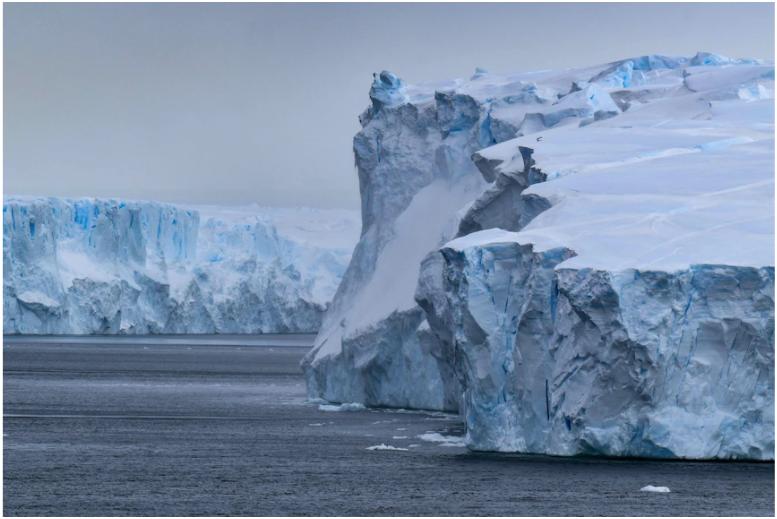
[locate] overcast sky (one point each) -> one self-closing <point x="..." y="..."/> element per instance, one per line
<point x="241" y="103"/>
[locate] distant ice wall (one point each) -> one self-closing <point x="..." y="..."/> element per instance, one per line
<point x="89" y="266"/>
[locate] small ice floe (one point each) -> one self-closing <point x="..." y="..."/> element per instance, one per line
<point x="651" y="488"/>
<point x="384" y="447"/>
<point x="342" y="407"/>
<point x="315" y="425"/>
<point x="399" y="437"/>
<point x="413" y="445"/>
<point x="401" y="428"/>
<point x="444" y="441"/>
<point x="430" y="415"/>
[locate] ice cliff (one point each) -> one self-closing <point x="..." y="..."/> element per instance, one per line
<point x="580" y="262"/>
<point x="86" y="266"/>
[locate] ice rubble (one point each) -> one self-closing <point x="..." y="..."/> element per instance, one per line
<point x="384" y="447"/>
<point x="442" y="440"/>
<point x="651" y="488"/>
<point x="581" y="261"/>
<point x="87" y="266"/>
<point x="348" y="406"/>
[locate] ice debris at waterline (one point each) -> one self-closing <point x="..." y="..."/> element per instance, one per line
<point x="384" y="447"/>
<point x="85" y="266"/>
<point x="579" y="261"/>
<point x="651" y="488"/>
<point x="442" y="440"/>
<point x="342" y="407"/>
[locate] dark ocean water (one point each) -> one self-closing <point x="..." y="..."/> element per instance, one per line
<point x="178" y="426"/>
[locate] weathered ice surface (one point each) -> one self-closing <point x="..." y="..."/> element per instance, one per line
<point x="413" y="157"/>
<point x="633" y="363"/>
<point x="610" y="286"/>
<point x="105" y="266"/>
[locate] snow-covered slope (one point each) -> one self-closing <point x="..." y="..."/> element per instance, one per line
<point x="610" y="287"/>
<point x="88" y="266"/>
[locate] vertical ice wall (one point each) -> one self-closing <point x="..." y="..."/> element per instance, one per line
<point x="107" y="266"/>
<point x="592" y="330"/>
<point x="590" y="303"/>
<point x="416" y="174"/>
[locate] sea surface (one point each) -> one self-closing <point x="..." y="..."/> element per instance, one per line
<point x="182" y="425"/>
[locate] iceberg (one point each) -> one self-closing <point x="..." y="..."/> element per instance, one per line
<point x="578" y="261"/>
<point x="89" y="266"/>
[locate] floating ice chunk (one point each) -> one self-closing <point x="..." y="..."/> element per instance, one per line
<point x="315" y="424"/>
<point x="444" y="441"/>
<point x="435" y="414"/>
<point x="399" y="437"/>
<point x="342" y="407"/>
<point x="651" y="488"/>
<point x="384" y="447"/>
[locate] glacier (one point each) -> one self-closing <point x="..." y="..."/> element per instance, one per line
<point x="577" y="261"/>
<point x="105" y="266"/>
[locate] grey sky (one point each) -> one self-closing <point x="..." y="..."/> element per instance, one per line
<point x="240" y="103"/>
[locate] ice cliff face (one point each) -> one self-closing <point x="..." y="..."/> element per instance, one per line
<point x="414" y="165"/>
<point x="634" y="362"/>
<point x="579" y="261"/>
<point x="105" y="266"/>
